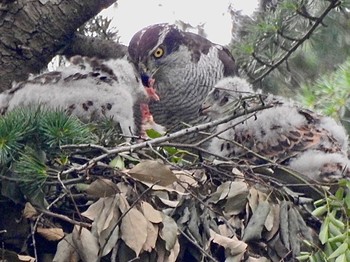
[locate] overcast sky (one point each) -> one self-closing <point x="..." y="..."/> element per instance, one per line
<point x="133" y="15"/>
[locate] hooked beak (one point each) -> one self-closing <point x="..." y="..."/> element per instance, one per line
<point x="148" y="83"/>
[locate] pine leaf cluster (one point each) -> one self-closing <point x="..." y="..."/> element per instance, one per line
<point x="285" y="45"/>
<point x="330" y="94"/>
<point x="30" y="138"/>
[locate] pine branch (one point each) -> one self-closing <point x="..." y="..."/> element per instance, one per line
<point x="333" y="4"/>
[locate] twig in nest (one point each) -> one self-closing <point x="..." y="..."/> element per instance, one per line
<point x="65" y="218"/>
<point x="163" y="139"/>
<point x="197" y="246"/>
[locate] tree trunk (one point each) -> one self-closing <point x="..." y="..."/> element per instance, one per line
<point x="32" y="32"/>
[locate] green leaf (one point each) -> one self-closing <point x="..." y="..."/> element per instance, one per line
<point x="336" y="222"/>
<point x="347" y="200"/>
<point x="117" y="162"/>
<point x="151" y="133"/>
<point x="339" y="251"/>
<point x="341" y="258"/>
<point x="338" y="238"/>
<point x="171" y="150"/>
<point x="347" y="255"/>
<point x="323" y="235"/>
<point x="305" y="257"/>
<point x="334" y="230"/>
<point x="340" y="193"/>
<point x="320" y="211"/>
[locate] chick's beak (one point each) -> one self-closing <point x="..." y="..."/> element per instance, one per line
<point x="204" y="109"/>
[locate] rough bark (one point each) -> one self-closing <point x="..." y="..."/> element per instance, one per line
<point x="33" y="31"/>
<point x="89" y="46"/>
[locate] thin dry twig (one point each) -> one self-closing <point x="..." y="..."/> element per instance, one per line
<point x="64" y="218"/>
<point x="197" y="245"/>
<point x="159" y="140"/>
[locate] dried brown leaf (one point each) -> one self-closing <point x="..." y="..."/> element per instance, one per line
<point x="152" y="236"/>
<point x="86" y="244"/>
<point x="173" y="253"/>
<point x="255" y="197"/>
<point x="26" y="258"/>
<point x="284" y="223"/>
<point x="109" y="238"/>
<point x="94" y="209"/>
<point x="105" y="226"/>
<point x="236" y="198"/>
<point x="101" y="212"/>
<point x="51" y="234"/>
<point x="294" y="230"/>
<point x="224" y="230"/>
<point x="272" y="219"/>
<point x="232" y="245"/>
<point x="66" y="251"/>
<point x="123" y="204"/>
<point x="229" y="189"/>
<point x="256" y="223"/>
<point x="169" y="232"/>
<point x="184" y="180"/>
<point x="237" y="173"/>
<point x="102" y="188"/>
<point x="152" y="171"/>
<point x="108" y="215"/>
<point x="124" y="188"/>
<point x="170" y="203"/>
<point x="133" y="230"/>
<point x="150" y="213"/>
<point x="29" y="211"/>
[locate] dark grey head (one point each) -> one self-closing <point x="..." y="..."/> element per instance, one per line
<point x="182" y="67"/>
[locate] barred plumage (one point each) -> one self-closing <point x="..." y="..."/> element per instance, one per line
<point x="182" y="67"/>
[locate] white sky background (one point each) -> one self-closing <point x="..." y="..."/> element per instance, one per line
<point x="133" y="15"/>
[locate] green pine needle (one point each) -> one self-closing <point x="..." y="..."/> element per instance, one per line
<point x="330" y="94"/>
<point x="15" y="128"/>
<point x="31" y="167"/>
<point x="59" y="128"/>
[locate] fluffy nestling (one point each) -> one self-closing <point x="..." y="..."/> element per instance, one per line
<point x="89" y="88"/>
<point x="309" y="143"/>
<point x="182" y="67"/>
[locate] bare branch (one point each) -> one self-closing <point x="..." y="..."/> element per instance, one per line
<point x="91" y="46"/>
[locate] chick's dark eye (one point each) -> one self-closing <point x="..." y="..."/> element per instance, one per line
<point x="216" y="94"/>
<point x="223" y="101"/>
<point x="158" y="53"/>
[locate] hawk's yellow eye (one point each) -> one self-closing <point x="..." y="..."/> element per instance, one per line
<point x="159" y="52"/>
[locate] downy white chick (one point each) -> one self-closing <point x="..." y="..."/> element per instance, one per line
<point x="309" y="143"/>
